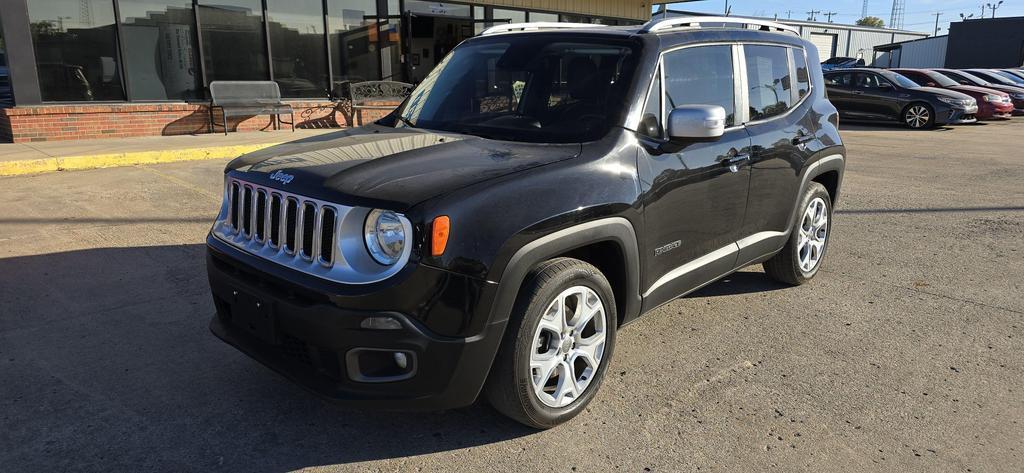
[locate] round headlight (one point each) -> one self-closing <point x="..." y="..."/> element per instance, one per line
<point x="385" y="236"/>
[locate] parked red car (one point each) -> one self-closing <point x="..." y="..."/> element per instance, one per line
<point x="966" y="78"/>
<point x="992" y="104"/>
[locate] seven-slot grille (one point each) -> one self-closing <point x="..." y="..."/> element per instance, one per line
<point x="279" y="220"/>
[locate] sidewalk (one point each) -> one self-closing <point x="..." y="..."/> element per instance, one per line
<point x="48" y="156"/>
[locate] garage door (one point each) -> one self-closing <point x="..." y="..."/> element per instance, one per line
<point x="826" y="44"/>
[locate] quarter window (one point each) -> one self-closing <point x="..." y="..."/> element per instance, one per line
<point x="768" y="81"/>
<point x="701" y="76"/>
<point x="803" y="79"/>
<point x="650" y="125"/>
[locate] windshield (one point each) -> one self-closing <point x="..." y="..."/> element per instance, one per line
<point x="1011" y="77"/>
<point x="530" y="87"/>
<point x="970" y="77"/>
<point x="993" y="78"/>
<point x="940" y="79"/>
<point x="900" y="80"/>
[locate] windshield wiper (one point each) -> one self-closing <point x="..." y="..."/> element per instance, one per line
<point x="406" y="121"/>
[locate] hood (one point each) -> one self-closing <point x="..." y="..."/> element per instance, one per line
<point x="973" y="89"/>
<point x="388" y="167"/>
<point x="945" y="92"/>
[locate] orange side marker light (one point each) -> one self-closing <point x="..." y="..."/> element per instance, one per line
<point x="439" y="235"/>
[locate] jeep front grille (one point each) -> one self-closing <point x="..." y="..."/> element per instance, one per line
<point x="256" y="212"/>
<point x="310" y="235"/>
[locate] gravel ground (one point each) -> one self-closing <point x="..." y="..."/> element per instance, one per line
<point x="903" y="355"/>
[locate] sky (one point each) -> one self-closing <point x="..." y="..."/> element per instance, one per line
<point x="920" y="14"/>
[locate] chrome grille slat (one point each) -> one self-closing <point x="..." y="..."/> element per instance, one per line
<point x="262" y="216"/>
<point x="274" y="219"/>
<point x="316" y="232"/>
<point x="300" y="232"/>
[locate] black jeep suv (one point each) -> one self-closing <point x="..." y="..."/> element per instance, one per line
<point x="542" y="187"/>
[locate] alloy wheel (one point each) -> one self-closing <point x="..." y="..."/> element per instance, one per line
<point x="813" y="234"/>
<point x="568" y="346"/>
<point x="918" y="116"/>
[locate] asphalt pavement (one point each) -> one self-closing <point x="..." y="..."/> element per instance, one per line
<point x="904" y="354"/>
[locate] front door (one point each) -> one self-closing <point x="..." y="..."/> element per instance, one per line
<point x="694" y="202"/>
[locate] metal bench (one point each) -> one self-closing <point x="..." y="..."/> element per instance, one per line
<point x="372" y="95"/>
<point x="247" y="98"/>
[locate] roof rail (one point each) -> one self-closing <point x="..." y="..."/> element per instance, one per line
<point x="655" y="26"/>
<point x="537" y="26"/>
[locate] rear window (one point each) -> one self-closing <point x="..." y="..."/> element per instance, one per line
<point x="769" y="81"/>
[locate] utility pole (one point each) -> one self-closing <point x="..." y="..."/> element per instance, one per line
<point x="789" y="14"/>
<point x="937" y="15"/>
<point x="994" y="7"/>
<point x="830" y="15"/>
<point x="813" y="15"/>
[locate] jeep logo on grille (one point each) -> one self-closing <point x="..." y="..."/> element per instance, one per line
<point x="281" y="177"/>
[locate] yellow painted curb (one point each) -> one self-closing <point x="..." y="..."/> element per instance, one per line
<point x="73" y="163"/>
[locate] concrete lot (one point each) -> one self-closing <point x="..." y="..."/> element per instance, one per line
<point x="903" y="355"/>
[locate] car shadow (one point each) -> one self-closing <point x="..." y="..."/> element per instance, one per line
<point x="849" y="126"/>
<point x="108" y="363"/>
<point x="741" y="282"/>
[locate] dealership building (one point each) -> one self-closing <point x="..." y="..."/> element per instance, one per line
<point x="79" y="69"/>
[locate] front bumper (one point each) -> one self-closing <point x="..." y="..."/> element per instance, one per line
<point x="961" y="116"/>
<point x="311" y="340"/>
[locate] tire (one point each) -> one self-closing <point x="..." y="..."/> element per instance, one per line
<point x="512" y="384"/>
<point x="793" y="265"/>
<point x="913" y="114"/>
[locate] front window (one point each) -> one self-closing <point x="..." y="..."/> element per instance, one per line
<point x="940" y="79"/>
<point x="533" y="88"/>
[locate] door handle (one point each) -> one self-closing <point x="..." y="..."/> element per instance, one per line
<point x="858" y="92"/>
<point x="734" y="162"/>
<point x="803" y="138"/>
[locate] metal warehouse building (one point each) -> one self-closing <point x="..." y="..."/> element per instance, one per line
<point x="988" y="42"/>
<point x="835" y="40"/>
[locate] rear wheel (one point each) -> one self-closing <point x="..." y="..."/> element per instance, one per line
<point x="919" y="116"/>
<point x="801" y="258"/>
<point x="557" y="346"/>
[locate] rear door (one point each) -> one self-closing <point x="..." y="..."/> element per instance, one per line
<point x="840" y="92"/>
<point x="782" y="125"/>
<point x="875" y="97"/>
<point x="694" y="201"/>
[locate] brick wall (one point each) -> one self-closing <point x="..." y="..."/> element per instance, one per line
<point x="88" y="121"/>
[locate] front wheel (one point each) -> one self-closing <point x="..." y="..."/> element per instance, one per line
<point x="919" y="116"/>
<point x="801" y="258"/>
<point x="557" y="345"/>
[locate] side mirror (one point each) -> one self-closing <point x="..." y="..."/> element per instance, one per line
<point x="691" y="123"/>
<point x="884" y="85"/>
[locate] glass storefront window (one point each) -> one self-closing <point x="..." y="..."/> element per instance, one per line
<point x="234" y="46"/>
<point x="546" y="17"/>
<point x="6" y="96"/>
<point x="76" y="49"/>
<point x="438" y="8"/>
<point x="509" y="16"/>
<point x="297" y="47"/>
<point x="159" y="55"/>
<point x="354" y="38"/>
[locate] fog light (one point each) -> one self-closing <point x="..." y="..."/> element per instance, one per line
<point x="401" y="360"/>
<point x="381" y="323"/>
